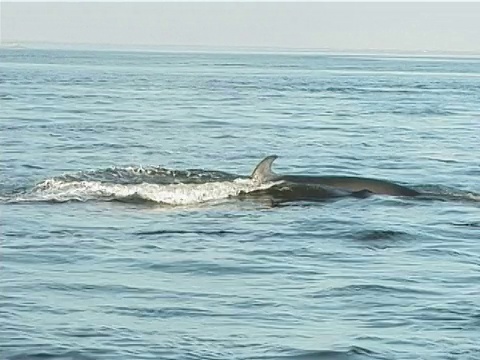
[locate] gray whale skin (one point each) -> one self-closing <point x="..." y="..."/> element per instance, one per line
<point x="357" y="186"/>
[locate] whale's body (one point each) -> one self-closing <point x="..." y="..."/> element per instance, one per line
<point x="355" y="185"/>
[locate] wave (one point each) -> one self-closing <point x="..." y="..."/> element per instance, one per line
<point x="45" y="355"/>
<point x="353" y="353"/>
<point x="54" y="190"/>
<point x="445" y="193"/>
<point x="138" y="185"/>
<point x="352" y="289"/>
<point x="368" y="235"/>
<point x="149" y="174"/>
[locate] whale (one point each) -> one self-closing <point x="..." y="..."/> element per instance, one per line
<point x="290" y="192"/>
<point x="331" y="185"/>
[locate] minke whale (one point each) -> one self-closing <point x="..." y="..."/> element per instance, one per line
<point x="328" y="186"/>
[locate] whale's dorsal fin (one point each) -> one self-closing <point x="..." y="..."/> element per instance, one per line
<point x="263" y="171"/>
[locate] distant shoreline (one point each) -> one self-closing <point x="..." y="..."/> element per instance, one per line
<point x="233" y="49"/>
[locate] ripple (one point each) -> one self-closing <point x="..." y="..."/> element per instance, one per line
<point x="210" y="268"/>
<point x="376" y="235"/>
<point x="474" y="224"/>
<point x="164" y="313"/>
<point x="198" y="232"/>
<point x="372" y="289"/>
<point x="67" y="355"/>
<point x="352" y="353"/>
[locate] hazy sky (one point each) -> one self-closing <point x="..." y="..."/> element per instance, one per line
<point x="400" y="26"/>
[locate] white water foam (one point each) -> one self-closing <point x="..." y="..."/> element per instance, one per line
<point x="54" y="190"/>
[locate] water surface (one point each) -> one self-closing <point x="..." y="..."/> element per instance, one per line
<point x="123" y="236"/>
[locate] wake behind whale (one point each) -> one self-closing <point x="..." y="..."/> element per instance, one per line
<point x="156" y="189"/>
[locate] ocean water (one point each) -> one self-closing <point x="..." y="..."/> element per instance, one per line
<point x="128" y="232"/>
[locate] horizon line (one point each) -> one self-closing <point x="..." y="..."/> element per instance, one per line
<point x="19" y="44"/>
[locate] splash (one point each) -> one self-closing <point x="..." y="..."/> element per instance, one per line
<point x="154" y="185"/>
<point x="148" y="174"/>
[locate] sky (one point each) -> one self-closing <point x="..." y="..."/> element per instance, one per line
<point x="407" y="26"/>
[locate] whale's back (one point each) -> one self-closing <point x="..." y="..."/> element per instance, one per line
<point x="353" y="183"/>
